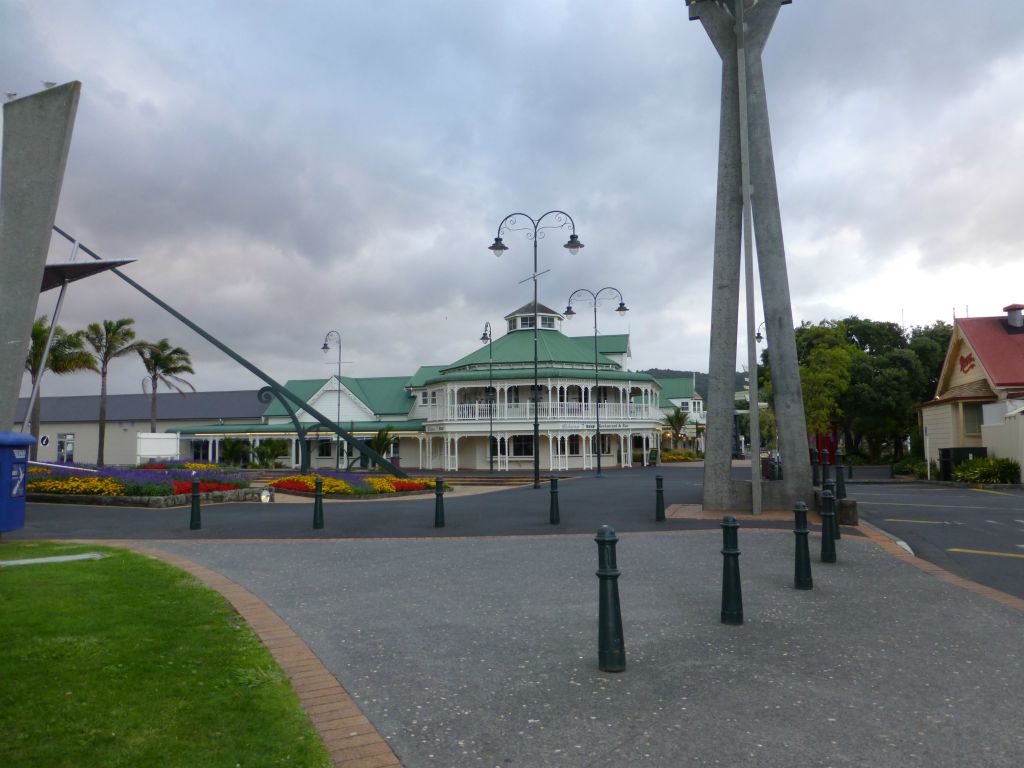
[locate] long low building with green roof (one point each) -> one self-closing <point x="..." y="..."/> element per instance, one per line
<point x="477" y="410"/>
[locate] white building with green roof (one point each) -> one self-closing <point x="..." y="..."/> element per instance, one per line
<point x="444" y="420"/>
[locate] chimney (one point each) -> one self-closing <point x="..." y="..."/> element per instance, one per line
<point x="1013" y="315"/>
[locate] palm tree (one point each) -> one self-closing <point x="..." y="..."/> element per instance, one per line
<point x="675" y="421"/>
<point x="163" y="366"/>
<point x="109" y="340"/>
<point x="67" y="355"/>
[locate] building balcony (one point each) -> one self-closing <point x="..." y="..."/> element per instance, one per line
<point x="548" y="411"/>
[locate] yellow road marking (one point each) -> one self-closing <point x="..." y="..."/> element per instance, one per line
<point x="931" y="506"/>
<point x="922" y="522"/>
<point x="986" y="490"/>
<point x="985" y="552"/>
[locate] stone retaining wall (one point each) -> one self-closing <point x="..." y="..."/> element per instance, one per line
<point x="175" y="500"/>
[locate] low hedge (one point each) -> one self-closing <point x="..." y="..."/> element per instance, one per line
<point x="1001" y="471"/>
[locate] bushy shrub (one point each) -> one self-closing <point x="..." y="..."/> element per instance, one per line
<point x="987" y="471"/>
<point x="911" y="465"/>
<point x="147" y="489"/>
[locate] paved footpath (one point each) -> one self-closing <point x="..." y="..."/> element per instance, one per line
<point x="481" y="650"/>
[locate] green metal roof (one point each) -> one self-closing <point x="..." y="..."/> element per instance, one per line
<point x="382" y="395"/>
<point x="675" y="388"/>
<point x="553" y="347"/>
<point x="613" y="344"/>
<point x="303" y="388"/>
<point x="425" y="372"/>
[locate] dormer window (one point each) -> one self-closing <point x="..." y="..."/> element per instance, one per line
<point x="512" y="324"/>
<point x="547" y="322"/>
<point x="526" y="321"/>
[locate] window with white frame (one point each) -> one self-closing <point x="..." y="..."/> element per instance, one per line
<point x="512" y="324"/>
<point x="423" y="397"/>
<point x="526" y="322"/>
<point x="547" y="322"/>
<point x="433" y="397"/>
<point x="574" y="445"/>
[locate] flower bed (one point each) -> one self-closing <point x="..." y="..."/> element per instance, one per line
<point x="352" y="485"/>
<point x="116" y="482"/>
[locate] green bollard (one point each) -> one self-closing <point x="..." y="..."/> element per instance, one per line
<point x="831" y="486"/>
<point x="732" y="596"/>
<point x="659" y="498"/>
<point x="553" y="517"/>
<point x="611" y="647"/>
<point x="840" y="480"/>
<point x="802" y="578"/>
<point x="439" y="502"/>
<point x="195" y="521"/>
<point x="815" y="476"/>
<point x="318" y="504"/>
<point x="828" y="521"/>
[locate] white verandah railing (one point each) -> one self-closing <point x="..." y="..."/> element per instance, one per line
<point x="547" y="411"/>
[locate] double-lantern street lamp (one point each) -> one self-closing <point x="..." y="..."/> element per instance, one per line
<point x="535" y="231"/>
<point x="486" y="338"/>
<point x="622" y="309"/>
<point x="325" y="349"/>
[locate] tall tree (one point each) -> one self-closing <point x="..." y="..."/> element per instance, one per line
<point x="109" y="340"/>
<point x="164" y="365"/>
<point x="67" y="355"/>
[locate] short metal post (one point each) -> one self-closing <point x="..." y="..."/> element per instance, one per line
<point x="831" y="487"/>
<point x="815" y="476"/>
<point x="659" y="498"/>
<point x="611" y="647"/>
<point x="439" y="502"/>
<point x="195" y="521"/>
<point x="553" y="516"/>
<point x="828" y="521"/>
<point x="318" y="504"/>
<point x="732" y="597"/>
<point x="802" y="578"/>
<point x="840" y="479"/>
<point x="824" y="466"/>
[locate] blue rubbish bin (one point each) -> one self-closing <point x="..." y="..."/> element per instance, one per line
<point x="13" y="477"/>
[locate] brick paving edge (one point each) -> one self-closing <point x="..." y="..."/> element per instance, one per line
<point x="349" y="736"/>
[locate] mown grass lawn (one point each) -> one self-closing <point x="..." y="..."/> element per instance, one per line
<point x="127" y="661"/>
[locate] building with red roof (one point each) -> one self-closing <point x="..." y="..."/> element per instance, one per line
<point x="979" y="400"/>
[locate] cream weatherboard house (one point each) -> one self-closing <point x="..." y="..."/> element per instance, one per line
<point x="477" y="409"/>
<point x="979" y="400"/>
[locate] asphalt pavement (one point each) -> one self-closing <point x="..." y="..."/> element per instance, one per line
<point x="975" y="533"/>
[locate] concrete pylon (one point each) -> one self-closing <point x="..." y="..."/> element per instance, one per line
<point x="37" y="134"/>
<point x="721" y="492"/>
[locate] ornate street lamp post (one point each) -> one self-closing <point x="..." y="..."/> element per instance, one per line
<point x="534" y="232"/>
<point x="325" y="349"/>
<point x="622" y="309"/>
<point x="486" y="339"/>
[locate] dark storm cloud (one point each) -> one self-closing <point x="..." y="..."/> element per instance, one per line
<point x="279" y="171"/>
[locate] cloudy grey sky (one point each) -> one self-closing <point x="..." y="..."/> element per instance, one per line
<point x="281" y="169"/>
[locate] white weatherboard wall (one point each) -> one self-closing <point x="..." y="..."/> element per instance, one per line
<point x="156" y="445"/>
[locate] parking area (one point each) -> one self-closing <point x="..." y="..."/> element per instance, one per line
<point x="975" y="533"/>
